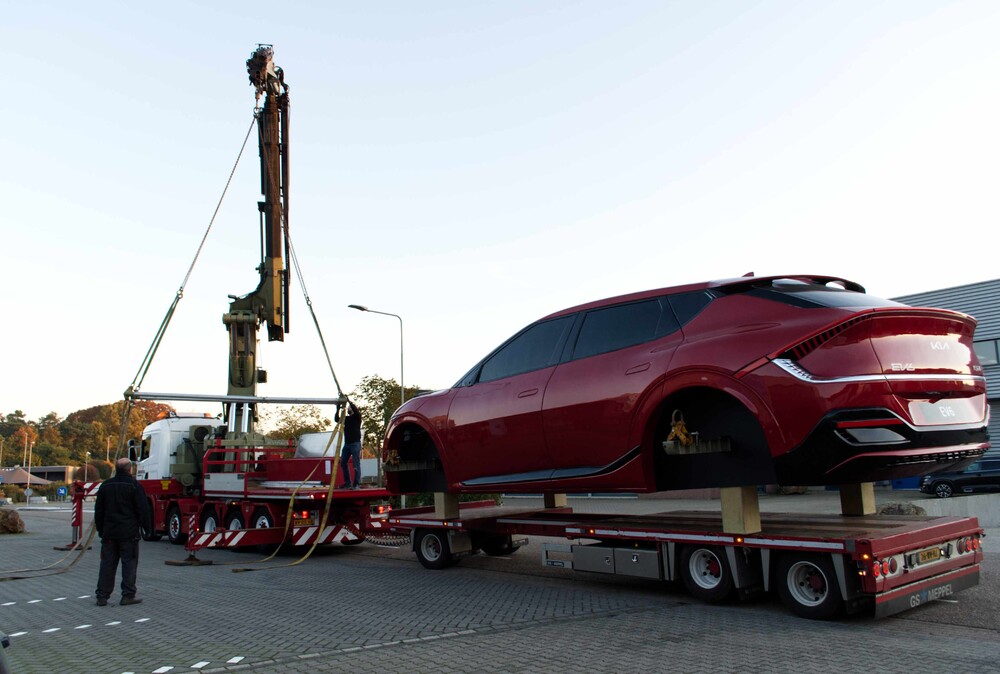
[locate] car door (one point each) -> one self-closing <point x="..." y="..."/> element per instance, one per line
<point x="495" y="429"/>
<point x="590" y="400"/>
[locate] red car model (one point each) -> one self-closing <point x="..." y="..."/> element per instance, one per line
<point x="801" y="380"/>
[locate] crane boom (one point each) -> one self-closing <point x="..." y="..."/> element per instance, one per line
<point x="268" y="303"/>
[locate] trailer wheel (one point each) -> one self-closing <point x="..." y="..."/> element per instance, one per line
<point x="807" y="585"/>
<point x="706" y="574"/>
<point x="432" y="549"/>
<point x="234" y="520"/>
<point x="174" y="526"/>
<point x="209" y="520"/>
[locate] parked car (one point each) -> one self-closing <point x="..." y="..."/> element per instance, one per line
<point x="983" y="475"/>
<point x="802" y="380"/>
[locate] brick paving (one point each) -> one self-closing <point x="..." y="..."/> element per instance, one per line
<point x="366" y="609"/>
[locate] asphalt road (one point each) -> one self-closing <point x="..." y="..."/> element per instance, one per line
<point x="375" y="609"/>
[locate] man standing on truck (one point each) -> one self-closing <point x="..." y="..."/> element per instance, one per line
<point x="121" y="509"/>
<point x="352" y="445"/>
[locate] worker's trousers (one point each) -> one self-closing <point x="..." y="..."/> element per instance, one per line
<point x="113" y="550"/>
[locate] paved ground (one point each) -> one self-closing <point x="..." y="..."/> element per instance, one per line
<point x="372" y="609"/>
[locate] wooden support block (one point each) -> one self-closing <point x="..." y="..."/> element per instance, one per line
<point x="740" y="510"/>
<point x="857" y="499"/>
<point x="555" y="500"/>
<point x="445" y="505"/>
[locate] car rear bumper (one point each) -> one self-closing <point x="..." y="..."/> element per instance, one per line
<point x="846" y="447"/>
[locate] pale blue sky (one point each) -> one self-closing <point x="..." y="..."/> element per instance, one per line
<point x="471" y="167"/>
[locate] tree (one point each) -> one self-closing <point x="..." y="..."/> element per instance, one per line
<point x="293" y="421"/>
<point x="378" y="398"/>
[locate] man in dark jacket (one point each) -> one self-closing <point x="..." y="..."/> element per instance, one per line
<point x="121" y="509"/>
<point x="352" y="446"/>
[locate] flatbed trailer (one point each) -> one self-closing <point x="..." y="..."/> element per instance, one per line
<point x="820" y="565"/>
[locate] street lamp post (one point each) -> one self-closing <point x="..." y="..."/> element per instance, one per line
<point x="86" y="465"/>
<point x="402" y="388"/>
<point x="31" y="446"/>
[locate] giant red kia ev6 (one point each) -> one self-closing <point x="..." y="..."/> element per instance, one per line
<point x="799" y="380"/>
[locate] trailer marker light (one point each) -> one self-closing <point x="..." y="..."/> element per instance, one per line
<point x="885" y="567"/>
<point x="739" y="540"/>
<point x="865" y="556"/>
<point x="877" y="570"/>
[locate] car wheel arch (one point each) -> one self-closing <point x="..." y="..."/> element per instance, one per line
<point x="656" y="407"/>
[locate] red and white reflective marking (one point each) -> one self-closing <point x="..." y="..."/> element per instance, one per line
<point x="90" y="488"/>
<point x="331" y="534"/>
<point x="220" y="539"/>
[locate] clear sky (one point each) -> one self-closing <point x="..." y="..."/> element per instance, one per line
<point x="470" y="166"/>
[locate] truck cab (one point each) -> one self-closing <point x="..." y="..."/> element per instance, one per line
<point x="173" y="448"/>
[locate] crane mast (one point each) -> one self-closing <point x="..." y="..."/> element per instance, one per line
<point x="268" y="303"/>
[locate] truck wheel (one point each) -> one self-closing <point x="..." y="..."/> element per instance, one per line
<point x="807" y="585"/>
<point x="499" y="546"/>
<point x="261" y="519"/>
<point x="234" y="520"/>
<point x="150" y="535"/>
<point x="705" y="572"/>
<point x="943" y="490"/>
<point x="433" y="550"/>
<point x="209" y="520"/>
<point x="174" y="526"/>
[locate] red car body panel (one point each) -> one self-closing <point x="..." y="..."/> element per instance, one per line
<point x="784" y="379"/>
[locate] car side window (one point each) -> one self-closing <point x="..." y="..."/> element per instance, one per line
<point x="536" y="347"/>
<point x="688" y="305"/>
<point x="617" y="327"/>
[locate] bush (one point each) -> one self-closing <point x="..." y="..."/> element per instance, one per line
<point x="13" y="492"/>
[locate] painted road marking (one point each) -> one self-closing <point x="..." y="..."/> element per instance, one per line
<point x="51" y="629"/>
<point x="162" y="670"/>
<point x="10" y="603"/>
<point x="199" y="665"/>
<point x="82" y="627"/>
<point x="233" y="661"/>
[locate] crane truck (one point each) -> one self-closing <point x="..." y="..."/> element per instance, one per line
<point x="219" y="478"/>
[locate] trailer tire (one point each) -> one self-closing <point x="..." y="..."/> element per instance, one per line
<point x="234" y="520"/>
<point x="807" y="585"/>
<point x="175" y="525"/>
<point x="209" y="520"/>
<point x="432" y="548"/>
<point x="706" y="573"/>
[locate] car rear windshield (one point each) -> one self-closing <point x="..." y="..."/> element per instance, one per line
<point x="813" y="295"/>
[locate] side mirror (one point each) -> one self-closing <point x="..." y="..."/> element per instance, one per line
<point x="133" y="454"/>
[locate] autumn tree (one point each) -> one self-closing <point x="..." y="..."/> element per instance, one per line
<point x="293" y="421"/>
<point x="378" y="398"/>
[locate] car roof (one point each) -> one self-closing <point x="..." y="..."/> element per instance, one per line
<point x="731" y="283"/>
